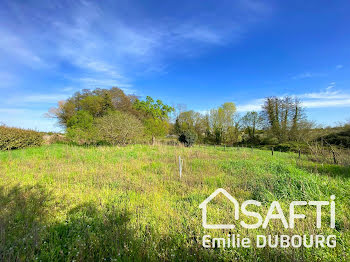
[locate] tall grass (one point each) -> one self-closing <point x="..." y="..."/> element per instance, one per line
<point x="65" y="203"/>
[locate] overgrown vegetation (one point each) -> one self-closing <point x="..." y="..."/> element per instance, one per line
<point x="16" y="138"/>
<point x="339" y="138"/>
<point x="281" y="123"/>
<point x="108" y="116"/>
<point x="65" y="203"/>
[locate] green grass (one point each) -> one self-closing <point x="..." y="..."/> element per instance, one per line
<point x="65" y="203"/>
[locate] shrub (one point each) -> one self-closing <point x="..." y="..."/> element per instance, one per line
<point x="118" y="128"/>
<point x="341" y="138"/>
<point x="81" y="136"/>
<point x="16" y="138"/>
<point x="269" y="141"/>
<point x="188" y="138"/>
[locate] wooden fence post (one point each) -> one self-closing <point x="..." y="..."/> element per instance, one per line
<point x="272" y="150"/>
<point x="299" y="153"/>
<point x="334" y="158"/>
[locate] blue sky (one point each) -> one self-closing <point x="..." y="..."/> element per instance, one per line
<point x="197" y="53"/>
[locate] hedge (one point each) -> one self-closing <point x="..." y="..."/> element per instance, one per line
<point x="15" y="138"/>
<point x="341" y="138"/>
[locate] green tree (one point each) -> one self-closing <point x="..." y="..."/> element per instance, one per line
<point x="251" y="121"/>
<point x="155" y="116"/>
<point x="156" y="127"/>
<point x="222" y="122"/>
<point x="97" y="103"/>
<point x="191" y="121"/>
<point x="153" y="109"/>
<point x="80" y="129"/>
<point x="82" y="119"/>
<point x="284" y="117"/>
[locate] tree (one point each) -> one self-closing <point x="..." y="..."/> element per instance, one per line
<point x="82" y="119"/>
<point x="155" y="116"/>
<point x="283" y="117"/>
<point x="80" y="129"/>
<point x="97" y="103"/>
<point x="191" y="121"/>
<point x="156" y="127"/>
<point x="153" y="109"/>
<point x="251" y="121"/>
<point x="223" y="123"/>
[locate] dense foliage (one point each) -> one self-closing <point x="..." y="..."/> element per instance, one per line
<point x="97" y="103"/>
<point x="188" y="138"/>
<point x="341" y="138"/>
<point x="16" y="138"/>
<point x="118" y="128"/>
<point x="281" y="122"/>
<point x="110" y="116"/>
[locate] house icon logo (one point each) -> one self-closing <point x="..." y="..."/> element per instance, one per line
<point x="203" y="206"/>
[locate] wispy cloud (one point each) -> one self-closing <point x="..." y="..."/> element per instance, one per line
<point x="62" y="46"/>
<point x="13" y="45"/>
<point x="308" y="75"/>
<point x="254" y="105"/>
<point x="27" y="118"/>
<point x="100" y="39"/>
<point x="339" y="67"/>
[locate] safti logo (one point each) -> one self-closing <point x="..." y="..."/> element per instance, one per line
<point x="274" y="212"/>
<point x="204" y="204"/>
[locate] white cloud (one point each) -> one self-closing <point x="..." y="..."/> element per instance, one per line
<point x="11" y="44"/>
<point x="251" y="106"/>
<point x="37" y="99"/>
<point x="28" y="118"/>
<point x="44" y="98"/>
<point x="327" y="103"/>
<point x="339" y="66"/>
<point x="308" y="75"/>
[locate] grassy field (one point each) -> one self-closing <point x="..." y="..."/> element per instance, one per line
<point x="67" y="203"/>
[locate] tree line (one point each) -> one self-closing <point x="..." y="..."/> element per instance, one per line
<point x="280" y="120"/>
<point x="110" y="116"/>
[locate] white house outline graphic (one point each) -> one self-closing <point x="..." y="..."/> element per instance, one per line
<point x="203" y="206"/>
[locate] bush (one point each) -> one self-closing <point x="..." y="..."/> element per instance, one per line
<point x="341" y="138"/>
<point x="118" y="128"/>
<point x="188" y="138"/>
<point x="81" y="136"/>
<point x="292" y="147"/>
<point x="16" y="138"/>
<point x="269" y="141"/>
